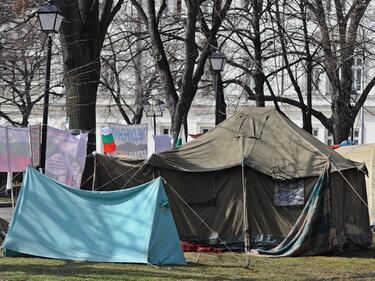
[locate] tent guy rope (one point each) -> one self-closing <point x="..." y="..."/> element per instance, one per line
<point x="144" y="163"/>
<point x="351" y="186"/>
<point x="112" y="179"/>
<point x="196" y="214"/>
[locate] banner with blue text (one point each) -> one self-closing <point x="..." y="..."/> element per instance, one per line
<point x="131" y="140"/>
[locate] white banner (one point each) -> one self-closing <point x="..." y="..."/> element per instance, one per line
<point x="131" y="140"/>
<point x="66" y="156"/>
<point x="35" y="144"/>
<point x="162" y="143"/>
<point x="14" y="149"/>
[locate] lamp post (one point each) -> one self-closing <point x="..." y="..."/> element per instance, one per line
<point x="353" y="101"/>
<point x="217" y="60"/>
<point x="50" y="18"/>
<point x="154" y="110"/>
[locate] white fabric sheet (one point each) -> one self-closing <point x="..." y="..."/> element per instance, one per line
<point x="66" y="156"/>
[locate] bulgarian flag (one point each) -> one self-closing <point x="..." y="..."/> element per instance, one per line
<point x="108" y="140"/>
<point x="181" y="137"/>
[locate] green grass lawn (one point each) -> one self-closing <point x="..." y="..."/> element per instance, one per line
<point x="359" y="265"/>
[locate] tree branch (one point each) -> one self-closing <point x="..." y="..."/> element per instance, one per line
<point x="106" y="18"/>
<point x="163" y="5"/>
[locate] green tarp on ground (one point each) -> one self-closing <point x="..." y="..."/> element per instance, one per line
<point x="130" y="226"/>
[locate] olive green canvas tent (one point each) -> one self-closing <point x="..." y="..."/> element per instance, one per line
<point x="365" y="154"/>
<point x="252" y="176"/>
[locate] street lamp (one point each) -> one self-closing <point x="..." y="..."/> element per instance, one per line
<point x="217" y="60"/>
<point x="50" y="18"/>
<point x="154" y="110"/>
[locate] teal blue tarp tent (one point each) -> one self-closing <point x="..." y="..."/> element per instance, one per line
<point x="56" y="221"/>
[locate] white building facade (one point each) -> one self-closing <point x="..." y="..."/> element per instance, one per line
<point x="201" y="115"/>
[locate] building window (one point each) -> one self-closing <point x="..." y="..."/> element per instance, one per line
<point x="204" y="129"/>
<point x="357" y="75"/>
<point x="315" y="133"/>
<point x="164" y="130"/>
<point x="356" y="136"/>
<point x="329" y="138"/>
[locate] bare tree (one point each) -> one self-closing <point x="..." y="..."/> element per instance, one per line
<point x="22" y="63"/>
<point x="339" y="41"/>
<point x="195" y="55"/>
<point x="128" y="72"/>
<point x="334" y="48"/>
<point x="305" y="54"/>
<point x="128" y="96"/>
<point x="339" y="44"/>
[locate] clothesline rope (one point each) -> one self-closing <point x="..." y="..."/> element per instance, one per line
<point x="144" y="162"/>
<point x="112" y="179"/>
<point x="87" y="179"/>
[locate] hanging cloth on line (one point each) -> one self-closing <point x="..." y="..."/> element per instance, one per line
<point x="14" y="149"/>
<point x="66" y="156"/>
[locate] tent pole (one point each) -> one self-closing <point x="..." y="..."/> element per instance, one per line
<point x="9" y="174"/>
<point x="9" y="186"/>
<point x="12" y="196"/>
<point x="245" y="219"/>
<point x="94" y="176"/>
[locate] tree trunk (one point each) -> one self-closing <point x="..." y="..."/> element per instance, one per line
<point x="160" y="56"/>
<point x="82" y="35"/>
<point x="82" y="85"/>
<point x="341" y="125"/>
<point x="306" y="114"/>
<point x="258" y="76"/>
<point x="139" y="83"/>
<point x="81" y="44"/>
